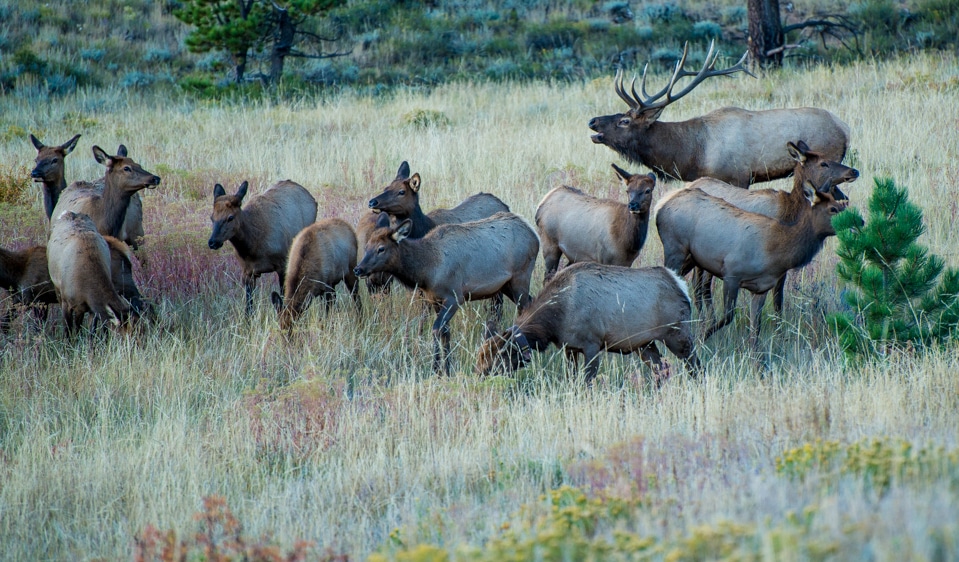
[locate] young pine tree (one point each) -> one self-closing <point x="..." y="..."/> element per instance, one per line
<point x="896" y="295"/>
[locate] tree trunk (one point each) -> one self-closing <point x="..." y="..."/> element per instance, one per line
<point x="239" y="62"/>
<point x="765" y="32"/>
<point x="282" y="43"/>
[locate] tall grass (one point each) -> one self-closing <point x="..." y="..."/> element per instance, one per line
<point x="343" y="437"/>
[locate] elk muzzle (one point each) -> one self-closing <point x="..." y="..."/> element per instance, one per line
<point x="153" y="182"/>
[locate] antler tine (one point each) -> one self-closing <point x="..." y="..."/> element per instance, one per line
<point x="618" y="87"/>
<point x="648" y="103"/>
<point x="642" y="85"/>
<point x="706" y="72"/>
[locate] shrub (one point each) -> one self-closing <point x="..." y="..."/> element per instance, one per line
<point x="894" y="296"/>
<point x="703" y="30"/>
<point x="14" y="180"/>
<point x="424" y="118"/>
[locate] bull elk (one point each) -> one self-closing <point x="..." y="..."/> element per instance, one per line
<point x="111" y="202"/>
<point x="810" y="168"/>
<point x="321" y="256"/>
<point x="78" y="258"/>
<point x="734" y="145"/>
<point x="261" y="231"/>
<point x="455" y="263"/>
<point x="746" y="250"/>
<point x="588" y="307"/>
<point x="586" y="228"/>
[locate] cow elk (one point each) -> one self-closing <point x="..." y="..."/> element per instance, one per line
<point x="261" y="231"/>
<point x="49" y="170"/>
<point x="810" y="168"/>
<point x="745" y="250"/>
<point x="322" y="255"/>
<point x="401" y="199"/>
<point x="731" y="144"/>
<point x="455" y="263"/>
<point x="111" y="202"/>
<point x="78" y="258"/>
<point x="587" y="308"/>
<point x="585" y="228"/>
<point x="24" y="274"/>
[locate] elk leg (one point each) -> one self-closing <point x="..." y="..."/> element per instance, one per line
<point x="591" y="363"/>
<point x="551" y="257"/>
<point x="756" y="319"/>
<point x="779" y="293"/>
<point x="703" y="281"/>
<point x="730" y="293"/>
<point x="249" y="283"/>
<point x="353" y="285"/>
<point x="441" y="333"/>
<point x="495" y="317"/>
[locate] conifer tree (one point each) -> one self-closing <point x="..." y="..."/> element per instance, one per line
<point x="896" y="295"/>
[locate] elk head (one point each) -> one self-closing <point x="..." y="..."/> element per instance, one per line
<point x="49" y="162"/>
<point x="383" y="248"/>
<point x="822" y="173"/>
<point x="226" y="214"/>
<point x="505" y="352"/>
<point x="401" y="196"/>
<point x="123" y="173"/>
<point x="639" y="189"/>
<point x="824" y="208"/>
<point x="622" y="131"/>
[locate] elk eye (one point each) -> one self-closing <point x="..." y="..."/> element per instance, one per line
<point x="624" y="122"/>
<point x="402" y="192"/>
<point x="230" y="218"/>
<point x="54" y="161"/>
<point x="380" y="250"/>
<point x="127" y="169"/>
<point x="824" y="165"/>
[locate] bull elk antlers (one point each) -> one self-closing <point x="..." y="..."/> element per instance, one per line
<point x="647" y="102"/>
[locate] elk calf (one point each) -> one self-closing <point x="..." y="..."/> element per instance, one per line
<point x="401" y="199"/>
<point x="109" y="202"/>
<point x="733" y="145"/>
<point x="79" y="264"/>
<point x="745" y="250"/>
<point x="25" y="276"/>
<point x="49" y="170"/>
<point x="585" y="228"/>
<point x="455" y="263"/>
<point x="587" y="308"/>
<point x="321" y="256"/>
<point x="262" y="231"/>
<point x="810" y="168"/>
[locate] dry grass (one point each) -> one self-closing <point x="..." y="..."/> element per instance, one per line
<point x="343" y="436"/>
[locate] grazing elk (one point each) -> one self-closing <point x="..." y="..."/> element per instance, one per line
<point x="588" y="307"/>
<point x="25" y="276"/>
<point x="78" y="258"/>
<point x="455" y="263"/>
<point x="261" y="232"/>
<point x="49" y="170"/>
<point x="585" y="228"/>
<point x="111" y="202"/>
<point x="735" y="145"/>
<point x="321" y="256"/>
<point x="745" y="250"/>
<point x="401" y="199"/>
<point x="810" y="168"/>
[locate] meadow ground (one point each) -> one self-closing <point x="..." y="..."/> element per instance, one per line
<point x="344" y="438"/>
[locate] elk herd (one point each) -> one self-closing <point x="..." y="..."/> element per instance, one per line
<point x="713" y="225"/>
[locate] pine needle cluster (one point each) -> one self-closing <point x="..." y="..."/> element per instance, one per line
<point x="899" y="294"/>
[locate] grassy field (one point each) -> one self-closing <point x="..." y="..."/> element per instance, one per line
<point x="344" y="438"/>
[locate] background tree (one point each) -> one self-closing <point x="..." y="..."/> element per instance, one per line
<point x="766" y="39"/>
<point x="896" y="295"/>
<point x="242" y="27"/>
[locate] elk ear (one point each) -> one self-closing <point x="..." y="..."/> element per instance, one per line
<point x="651" y="176"/>
<point x="415" y="183"/>
<point x="36" y="142"/>
<point x="241" y="191"/>
<point x="402" y="231"/>
<point x="623" y="174"/>
<point x="796" y="152"/>
<point x="277" y="301"/>
<point x="122" y="151"/>
<point x="69" y="145"/>
<point x="101" y="156"/>
<point x="382" y="220"/>
<point x="651" y="115"/>
<point x="218" y="191"/>
<point x="810" y="191"/>
<point x="403" y="172"/>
